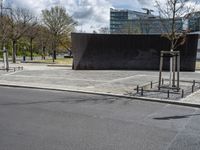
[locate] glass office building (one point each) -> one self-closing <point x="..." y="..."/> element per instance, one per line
<point x="130" y="22"/>
<point x="117" y="20"/>
<point x="194" y="22"/>
<point x="122" y="20"/>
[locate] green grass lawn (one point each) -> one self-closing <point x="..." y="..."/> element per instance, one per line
<point x="63" y="61"/>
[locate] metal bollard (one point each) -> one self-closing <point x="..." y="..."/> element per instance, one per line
<point x="137" y="88"/>
<point x="182" y="93"/>
<point x="168" y="94"/>
<point x="162" y="81"/>
<point x="192" y="88"/>
<point x="151" y="84"/>
<point x="194" y="82"/>
<point x="142" y="90"/>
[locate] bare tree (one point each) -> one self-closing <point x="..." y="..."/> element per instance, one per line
<point x="4" y="30"/>
<point x="58" y="22"/>
<point x="43" y="40"/>
<point x="31" y="33"/>
<point x="173" y="13"/>
<point x="19" y="24"/>
<point x="4" y="20"/>
<point x="104" y="30"/>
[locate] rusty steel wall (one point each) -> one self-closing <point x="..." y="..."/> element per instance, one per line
<point x="128" y="52"/>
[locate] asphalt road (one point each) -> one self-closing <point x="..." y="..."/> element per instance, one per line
<point x="52" y="120"/>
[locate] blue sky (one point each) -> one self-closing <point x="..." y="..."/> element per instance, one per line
<point x="90" y="14"/>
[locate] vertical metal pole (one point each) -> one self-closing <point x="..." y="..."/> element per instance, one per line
<point x="178" y="70"/>
<point x="160" y="73"/>
<point x="193" y="82"/>
<point x="182" y="94"/>
<point x="142" y="91"/>
<point x="170" y="71"/>
<point x="151" y="84"/>
<point x="137" y="88"/>
<point x="168" y="94"/>
<point x="173" y="70"/>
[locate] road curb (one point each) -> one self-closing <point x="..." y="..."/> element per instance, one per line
<point x="108" y="94"/>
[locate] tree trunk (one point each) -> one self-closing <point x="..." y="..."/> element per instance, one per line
<point x="14" y="50"/>
<point x="54" y="53"/>
<point x="43" y="51"/>
<point x="31" y="48"/>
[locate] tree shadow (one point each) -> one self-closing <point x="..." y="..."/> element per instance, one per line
<point x="105" y="100"/>
<point x="30" y="103"/>
<point x="175" y="117"/>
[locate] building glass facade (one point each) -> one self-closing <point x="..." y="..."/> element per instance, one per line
<point x="129" y="22"/>
<point x="117" y="20"/>
<point x="194" y="22"/>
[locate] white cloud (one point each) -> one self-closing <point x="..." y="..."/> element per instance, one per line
<point x="91" y="14"/>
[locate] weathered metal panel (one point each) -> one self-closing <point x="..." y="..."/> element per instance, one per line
<point x="132" y="52"/>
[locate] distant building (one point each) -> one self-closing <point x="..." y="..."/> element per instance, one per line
<point x="121" y="20"/>
<point x="128" y="22"/>
<point x="194" y="22"/>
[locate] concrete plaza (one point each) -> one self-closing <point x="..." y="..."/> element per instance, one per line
<point x="111" y="82"/>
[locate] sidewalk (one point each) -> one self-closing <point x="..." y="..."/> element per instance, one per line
<point x="111" y="82"/>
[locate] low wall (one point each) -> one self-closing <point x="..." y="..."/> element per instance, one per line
<point x="132" y="52"/>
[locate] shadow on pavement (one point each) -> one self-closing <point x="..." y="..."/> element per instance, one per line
<point x="175" y="117"/>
